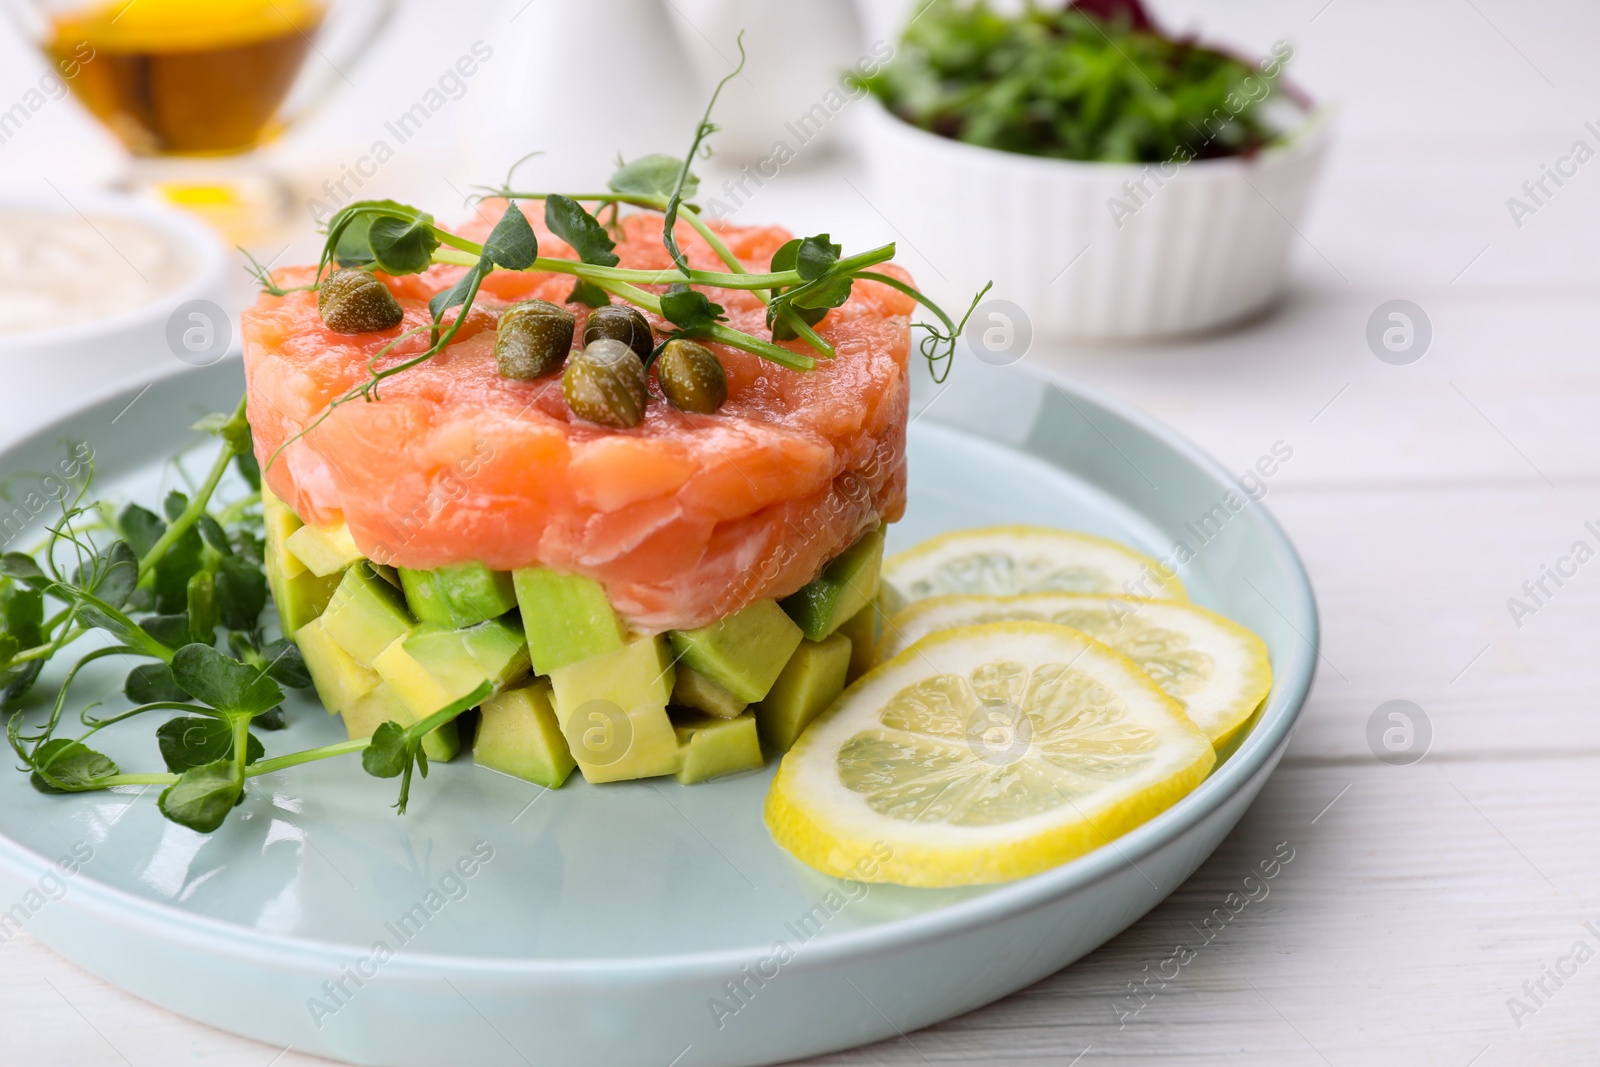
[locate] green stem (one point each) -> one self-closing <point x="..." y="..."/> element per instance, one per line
<point x="197" y="506"/>
<point x="294" y="759"/>
<point x="135" y="779"/>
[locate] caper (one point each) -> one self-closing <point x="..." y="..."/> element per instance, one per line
<point x="605" y="383"/>
<point x="533" y="339"/>
<point x="353" y="301"/>
<point x="622" y="323"/>
<point x="692" y="376"/>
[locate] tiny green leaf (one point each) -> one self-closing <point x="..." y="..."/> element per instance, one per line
<point x="152" y="683"/>
<point x="402" y="244"/>
<point x="223" y="682"/>
<point x="569" y="221"/>
<point x="194" y="740"/>
<point x="142" y="528"/>
<point x="386" y="755"/>
<point x="117" y="570"/>
<point x="654" y="175"/>
<point x="270" y="720"/>
<point x="249" y="469"/>
<point x="589" y="294"/>
<point x="212" y="532"/>
<point x="241" y="593"/>
<point x="202" y="798"/>
<point x="174" y="505"/>
<point x="816" y="256"/>
<point x="689" y="309"/>
<point x="511" y="244"/>
<point x="171" y="630"/>
<point x="22" y="610"/>
<point x="458" y="293"/>
<point x="20" y="566"/>
<point x="285" y="665"/>
<point x="63" y="766"/>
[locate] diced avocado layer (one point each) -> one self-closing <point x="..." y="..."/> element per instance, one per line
<point x="567" y="618"/>
<point x="324" y="552"/>
<point x="299" y="594"/>
<point x="366" y="614"/>
<point x="691" y="689"/>
<point x="519" y="735"/>
<point x="339" y="679"/>
<point x="845" y="586"/>
<point x="712" y="747"/>
<point x="457" y="596"/>
<point x="864" y="629"/>
<point x="434" y="666"/>
<point x="383" y="705"/>
<point x="810" y="681"/>
<point x="744" y="652"/>
<point x="613" y="712"/>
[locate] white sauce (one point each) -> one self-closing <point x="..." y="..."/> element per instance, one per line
<point x="60" y="269"/>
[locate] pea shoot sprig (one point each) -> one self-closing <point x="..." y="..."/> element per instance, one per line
<point x="158" y="590"/>
<point x="808" y="277"/>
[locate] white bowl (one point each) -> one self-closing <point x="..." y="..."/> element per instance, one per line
<point x="49" y="370"/>
<point x="1078" y="246"/>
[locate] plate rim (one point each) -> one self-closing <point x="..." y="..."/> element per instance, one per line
<point x="1257" y="755"/>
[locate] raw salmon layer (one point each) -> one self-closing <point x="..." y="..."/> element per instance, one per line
<point x="684" y="518"/>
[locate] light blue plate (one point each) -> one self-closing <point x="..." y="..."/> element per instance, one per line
<point x="643" y="923"/>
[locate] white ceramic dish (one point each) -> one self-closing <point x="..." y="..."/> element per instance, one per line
<point x="636" y="924"/>
<point x="1081" y="247"/>
<point x="86" y="358"/>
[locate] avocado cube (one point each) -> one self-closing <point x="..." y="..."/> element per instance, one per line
<point x="366" y="614"/>
<point x="324" y="552"/>
<point x="279" y="521"/>
<point x="299" y="594"/>
<point x="339" y="679"/>
<point x="434" y="666"/>
<point x="711" y="747"/>
<point x="845" y="586"/>
<point x="613" y="712"/>
<point x="518" y="735"/>
<point x="457" y="596"/>
<point x="691" y="689"/>
<point x="864" y="630"/>
<point x="383" y="705"/>
<point x="810" y="681"/>
<point x="744" y="652"/>
<point x="566" y="617"/>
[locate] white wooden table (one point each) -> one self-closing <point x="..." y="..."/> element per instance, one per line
<point x="1420" y="898"/>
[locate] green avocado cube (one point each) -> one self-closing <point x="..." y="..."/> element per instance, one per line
<point x="711" y="747"/>
<point x="810" y="681"/>
<point x="691" y="689"/>
<point x="744" y="652"/>
<point x="299" y="594"/>
<point x="518" y="735"/>
<point x="434" y="666"/>
<point x="383" y="704"/>
<point x="567" y="618"/>
<point x="613" y="712"/>
<point x="366" y="614"/>
<point x="339" y="679"/>
<point x="846" y="585"/>
<point x="864" y="630"/>
<point x="324" y="552"/>
<point x="457" y="596"/>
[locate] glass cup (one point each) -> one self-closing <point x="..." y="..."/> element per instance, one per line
<point x="192" y="88"/>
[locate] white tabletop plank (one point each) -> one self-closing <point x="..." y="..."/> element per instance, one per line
<point x="1421" y="497"/>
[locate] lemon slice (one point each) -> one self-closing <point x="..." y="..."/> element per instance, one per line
<point x="982" y="754"/>
<point x="1211" y="665"/>
<point x="1009" y="560"/>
